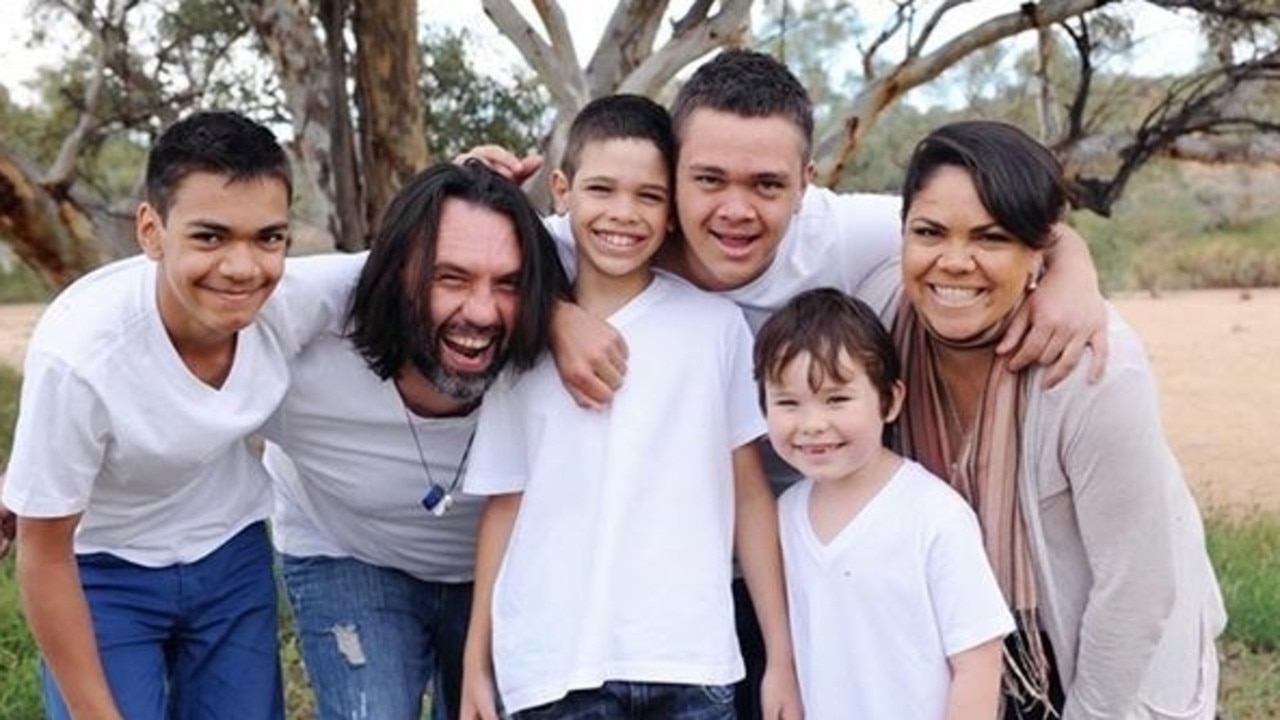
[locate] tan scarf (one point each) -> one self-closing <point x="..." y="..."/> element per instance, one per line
<point x="985" y="471"/>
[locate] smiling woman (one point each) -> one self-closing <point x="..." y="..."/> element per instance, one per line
<point x="1095" y="540"/>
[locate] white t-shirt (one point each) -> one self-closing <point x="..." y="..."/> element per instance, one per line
<point x="876" y="612"/>
<point x="355" y="484"/>
<point x="618" y="567"/>
<point x="114" y="425"/>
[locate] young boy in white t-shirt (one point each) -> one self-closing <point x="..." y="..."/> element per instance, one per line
<point x="143" y="560"/>
<point x="895" y="612"/>
<point x="605" y="551"/>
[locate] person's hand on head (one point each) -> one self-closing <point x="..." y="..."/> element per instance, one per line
<point x="590" y="355"/>
<point x="502" y="161"/>
<point x="1064" y="314"/>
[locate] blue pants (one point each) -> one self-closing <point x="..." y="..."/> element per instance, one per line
<point x="189" y="641"/>
<point x="637" y="700"/>
<point x="373" y="638"/>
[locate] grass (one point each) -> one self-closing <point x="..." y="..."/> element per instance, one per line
<point x="1246" y="554"/>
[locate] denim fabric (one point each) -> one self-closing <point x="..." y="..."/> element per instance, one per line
<point x="193" y="641"/>
<point x="638" y="701"/>
<point x="374" y="638"/>
<point x="751" y="644"/>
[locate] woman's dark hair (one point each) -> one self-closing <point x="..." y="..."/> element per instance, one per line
<point x="388" y="320"/>
<point x="1017" y="179"/>
<point x="828" y="325"/>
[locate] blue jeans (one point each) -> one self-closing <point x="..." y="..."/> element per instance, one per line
<point x="191" y="641"/>
<point x="637" y="700"/>
<point x="373" y="638"/>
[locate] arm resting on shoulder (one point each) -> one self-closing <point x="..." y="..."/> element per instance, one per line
<point x="590" y="355"/>
<point x="58" y="614"/>
<point x="1064" y="314"/>
<point x="760" y="554"/>
<point x="479" y="691"/>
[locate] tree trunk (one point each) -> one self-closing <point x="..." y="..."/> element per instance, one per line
<point x="46" y="228"/>
<point x="393" y="129"/>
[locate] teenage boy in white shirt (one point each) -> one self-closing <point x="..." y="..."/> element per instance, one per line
<point x="143" y="559"/>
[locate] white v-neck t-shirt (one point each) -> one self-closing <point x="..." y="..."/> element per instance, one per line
<point x="876" y="612"/>
<point x="114" y="425"/>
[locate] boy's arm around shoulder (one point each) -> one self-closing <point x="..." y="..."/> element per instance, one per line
<point x="313" y="297"/>
<point x="1065" y="314"/>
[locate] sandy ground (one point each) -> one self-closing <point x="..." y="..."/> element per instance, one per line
<point x="1212" y="352"/>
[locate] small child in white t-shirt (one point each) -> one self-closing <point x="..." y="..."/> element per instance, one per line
<point x="895" y="612"/>
<point x="604" y="560"/>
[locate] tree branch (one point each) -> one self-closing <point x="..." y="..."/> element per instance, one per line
<point x="731" y="25"/>
<point x="558" y="68"/>
<point x="627" y="40"/>
<point x="837" y="147"/>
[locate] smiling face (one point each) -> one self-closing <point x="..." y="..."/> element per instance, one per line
<point x="220" y="252"/>
<point x="832" y="433"/>
<point x="963" y="273"/>
<point x="473" y="298"/>
<point x="739" y="181"/>
<point x="618" y="202"/>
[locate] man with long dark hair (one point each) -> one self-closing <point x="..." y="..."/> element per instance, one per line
<point x="377" y="540"/>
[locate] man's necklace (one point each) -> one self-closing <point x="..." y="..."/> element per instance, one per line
<point x="438" y="499"/>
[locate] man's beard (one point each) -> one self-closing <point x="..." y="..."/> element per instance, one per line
<point x="460" y="386"/>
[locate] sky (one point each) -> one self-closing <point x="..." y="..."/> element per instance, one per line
<point x="1173" y="37"/>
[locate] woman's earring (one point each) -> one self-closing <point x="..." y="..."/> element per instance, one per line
<point x="1033" y="281"/>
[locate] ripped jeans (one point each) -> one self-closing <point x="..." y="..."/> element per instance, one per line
<point x="374" y="638"/>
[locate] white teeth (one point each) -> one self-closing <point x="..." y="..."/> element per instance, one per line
<point x="470" y="342"/>
<point x="958" y="295"/>
<point x="616" y="240"/>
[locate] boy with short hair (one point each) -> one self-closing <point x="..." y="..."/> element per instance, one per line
<point x="895" y="611"/>
<point x="604" y="562"/>
<point x="143" y="559"/>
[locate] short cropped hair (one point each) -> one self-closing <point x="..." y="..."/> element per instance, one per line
<point x="392" y="300"/>
<point x="620" y="117"/>
<point x="828" y="325"/>
<point x="1018" y="180"/>
<point x="746" y="83"/>
<point x="221" y="142"/>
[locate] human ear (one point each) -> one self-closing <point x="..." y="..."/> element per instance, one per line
<point x="899" y="393"/>
<point x="560" y="191"/>
<point x="806" y="177"/>
<point x="149" y="229"/>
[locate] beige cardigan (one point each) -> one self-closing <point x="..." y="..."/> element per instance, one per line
<point x="1128" y="597"/>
